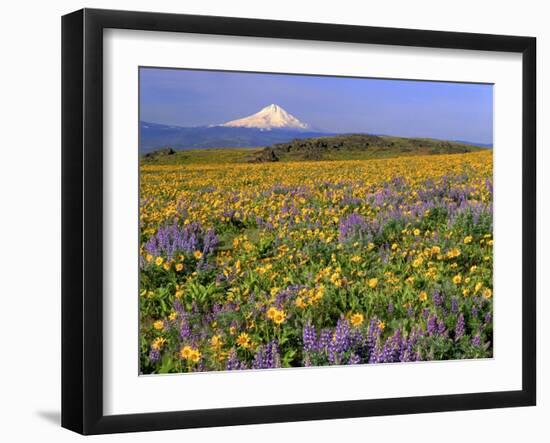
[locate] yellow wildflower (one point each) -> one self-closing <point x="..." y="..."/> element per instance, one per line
<point x="243" y="340"/>
<point x="417" y="262"/>
<point x="195" y="356"/>
<point x="356" y="319"/>
<point x="279" y="317"/>
<point x="271" y="312"/>
<point x="185" y="352"/>
<point x="216" y="341"/>
<point x="158" y="325"/>
<point x="299" y="302"/>
<point x="158" y="343"/>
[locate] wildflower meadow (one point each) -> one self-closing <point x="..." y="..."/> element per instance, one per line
<point x="315" y="263"/>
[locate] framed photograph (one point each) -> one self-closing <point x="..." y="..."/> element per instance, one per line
<point x="268" y="221"/>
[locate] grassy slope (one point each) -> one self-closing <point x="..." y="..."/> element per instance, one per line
<point x="205" y="156"/>
<point x="346" y="147"/>
<point x="363" y="146"/>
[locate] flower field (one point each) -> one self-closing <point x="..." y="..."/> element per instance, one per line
<point x="252" y="266"/>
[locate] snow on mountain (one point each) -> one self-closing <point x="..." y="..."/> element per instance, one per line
<point x="270" y="117"/>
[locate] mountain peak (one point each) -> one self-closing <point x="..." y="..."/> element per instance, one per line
<point x="270" y="117"/>
<point x="272" y="108"/>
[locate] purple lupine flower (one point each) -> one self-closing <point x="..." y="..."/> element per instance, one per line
<point x="341" y="334"/>
<point x="431" y="327"/>
<point x="488" y="318"/>
<point x="437" y="298"/>
<point x="185" y="328"/>
<point x="333" y="353"/>
<point x="233" y="362"/>
<point x="357" y="341"/>
<point x="354" y="359"/>
<point x="476" y="340"/>
<point x="441" y="327"/>
<point x="454" y="305"/>
<point x="309" y="337"/>
<point x="373" y="334"/>
<point x="283" y="296"/>
<point x="324" y="339"/>
<point x="406" y="352"/>
<point x="376" y="354"/>
<point x="339" y="342"/>
<point x="390" y="308"/>
<point x="210" y="242"/>
<point x="391" y="349"/>
<point x="154" y="355"/>
<point x="178" y="307"/>
<point x="267" y="357"/>
<point x="354" y="226"/>
<point x="460" y="326"/>
<point x="170" y="239"/>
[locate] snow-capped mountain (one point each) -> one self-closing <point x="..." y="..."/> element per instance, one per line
<point x="270" y="117"/>
<point x="269" y="126"/>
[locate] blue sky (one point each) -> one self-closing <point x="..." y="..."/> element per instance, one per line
<point x="453" y="111"/>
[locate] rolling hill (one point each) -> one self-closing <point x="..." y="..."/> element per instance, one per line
<point x="359" y="146"/>
<point x="340" y="147"/>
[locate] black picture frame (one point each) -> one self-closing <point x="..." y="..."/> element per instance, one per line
<point x="82" y="218"/>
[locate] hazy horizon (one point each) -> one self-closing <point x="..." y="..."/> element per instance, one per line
<point x="407" y="108"/>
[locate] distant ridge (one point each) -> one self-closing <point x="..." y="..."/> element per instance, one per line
<point x="481" y="145"/>
<point x="153" y="136"/>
